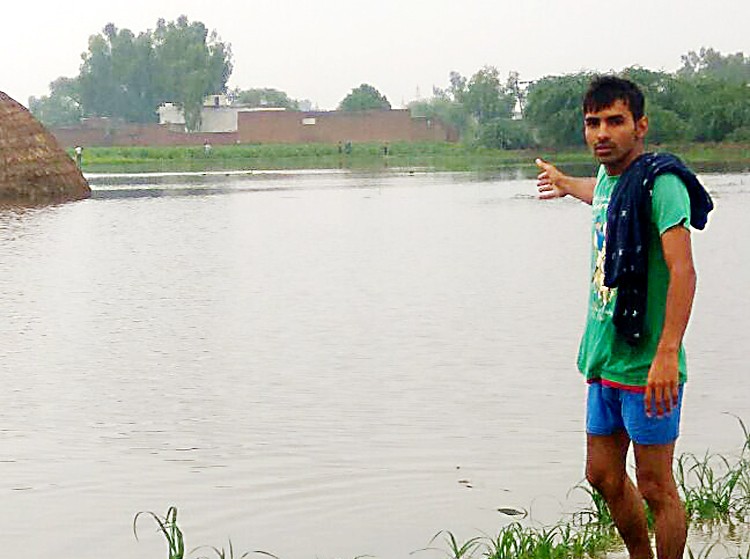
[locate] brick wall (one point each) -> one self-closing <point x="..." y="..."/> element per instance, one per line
<point x="284" y="127"/>
<point x="332" y="127"/>
<point x="102" y="133"/>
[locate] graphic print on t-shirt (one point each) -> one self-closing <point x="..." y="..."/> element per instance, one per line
<point x="603" y="295"/>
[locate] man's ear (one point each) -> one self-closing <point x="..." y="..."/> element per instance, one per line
<point x="641" y="127"/>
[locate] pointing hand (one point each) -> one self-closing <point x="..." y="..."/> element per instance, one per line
<point x="548" y="181"/>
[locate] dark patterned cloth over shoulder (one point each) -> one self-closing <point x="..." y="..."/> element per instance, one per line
<point x="628" y="227"/>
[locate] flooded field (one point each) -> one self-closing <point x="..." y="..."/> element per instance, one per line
<point x="317" y="364"/>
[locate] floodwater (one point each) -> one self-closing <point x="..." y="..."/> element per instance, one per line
<point x="317" y="364"/>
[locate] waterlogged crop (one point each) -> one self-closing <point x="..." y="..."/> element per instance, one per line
<point x="170" y="530"/>
<point x="222" y="553"/>
<point x="442" y="156"/>
<point x="455" y="550"/>
<point x="176" y="543"/>
<point x="715" y="488"/>
<point x="516" y="541"/>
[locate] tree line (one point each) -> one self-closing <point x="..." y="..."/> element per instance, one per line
<point x="706" y="100"/>
<point x="127" y="76"/>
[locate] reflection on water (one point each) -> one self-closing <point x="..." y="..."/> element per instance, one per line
<point x="315" y="364"/>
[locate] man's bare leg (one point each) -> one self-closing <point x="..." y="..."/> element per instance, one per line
<point x="656" y="484"/>
<point x="606" y="472"/>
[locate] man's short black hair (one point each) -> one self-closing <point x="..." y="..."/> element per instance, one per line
<point x="604" y="91"/>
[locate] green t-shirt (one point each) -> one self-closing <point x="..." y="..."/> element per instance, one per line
<point x="603" y="354"/>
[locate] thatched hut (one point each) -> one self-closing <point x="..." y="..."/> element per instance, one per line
<point x="33" y="167"/>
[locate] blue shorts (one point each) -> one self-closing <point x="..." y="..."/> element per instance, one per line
<point x="610" y="409"/>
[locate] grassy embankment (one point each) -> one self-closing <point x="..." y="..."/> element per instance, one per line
<point x="714" y="488"/>
<point x="431" y="156"/>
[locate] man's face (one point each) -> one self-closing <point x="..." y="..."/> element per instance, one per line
<point x="614" y="137"/>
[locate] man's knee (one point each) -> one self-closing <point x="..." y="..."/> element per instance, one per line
<point x="653" y="472"/>
<point x="657" y="488"/>
<point x="605" y="462"/>
<point x="604" y="480"/>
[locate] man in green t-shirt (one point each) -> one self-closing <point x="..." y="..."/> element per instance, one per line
<point x="635" y="388"/>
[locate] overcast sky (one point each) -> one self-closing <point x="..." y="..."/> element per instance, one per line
<point x="322" y="50"/>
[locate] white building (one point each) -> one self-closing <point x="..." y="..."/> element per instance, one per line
<point x="217" y="115"/>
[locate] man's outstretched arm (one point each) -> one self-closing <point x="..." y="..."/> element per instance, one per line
<point x="552" y="183"/>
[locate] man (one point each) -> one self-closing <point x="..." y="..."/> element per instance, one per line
<point x="79" y="156"/>
<point x="642" y="288"/>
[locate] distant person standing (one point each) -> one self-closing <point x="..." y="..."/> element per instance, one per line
<point x="642" y="285"/>
<point x="207" y="148"/>
<point x="79" y="156"/>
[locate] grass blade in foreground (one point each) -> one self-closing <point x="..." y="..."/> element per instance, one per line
<point x="168" y="527"/>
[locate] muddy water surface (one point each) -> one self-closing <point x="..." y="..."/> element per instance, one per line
<point x="316" y="364"/>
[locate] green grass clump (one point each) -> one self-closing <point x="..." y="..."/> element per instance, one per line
<point x="716" y="489"/>
<point x="168" y="527"/>
<point x="228" y="553"/>
<point x="455" y="550"/>
<point x="515" y="541"/>
<point x="716" y="494"/>
<point x="176" y="543"/>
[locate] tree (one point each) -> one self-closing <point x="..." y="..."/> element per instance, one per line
<point x="189" y="65"/>
<point x="457" y="87"/>
<point x="490" y="105"/>
<point x="480" y="108"/>
<point x="711" y="63"/>
<point x="718" y="109"/>
<point x="263" y="97"/>
<point x="485" y="98"/>
<point x="514" y="88"/>
<point x="127" y="76"/>
<point x="445" y="104"/>
<point x="553" y="109"/>
<point x="666" y="126"/>
<point x="364" y="98"/>
<point x="665" y="105"/>
<point x="61" y="107"/>
<point x="704" y="102"/>
<point x="505" y="133"/>
<point x="116" y="77"/>
<point x="442" y="108"/>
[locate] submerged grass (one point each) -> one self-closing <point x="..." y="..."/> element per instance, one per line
<point x="437" y="156"/>
<point x="714" y="488"/>
<point x="176" y="543"/>
<point x="228" y="553"/>
<point x="442" y="156"/>
<point x="168" y="527"/>
<point x="456" y="550"/>
<point x="563" y="540"/>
